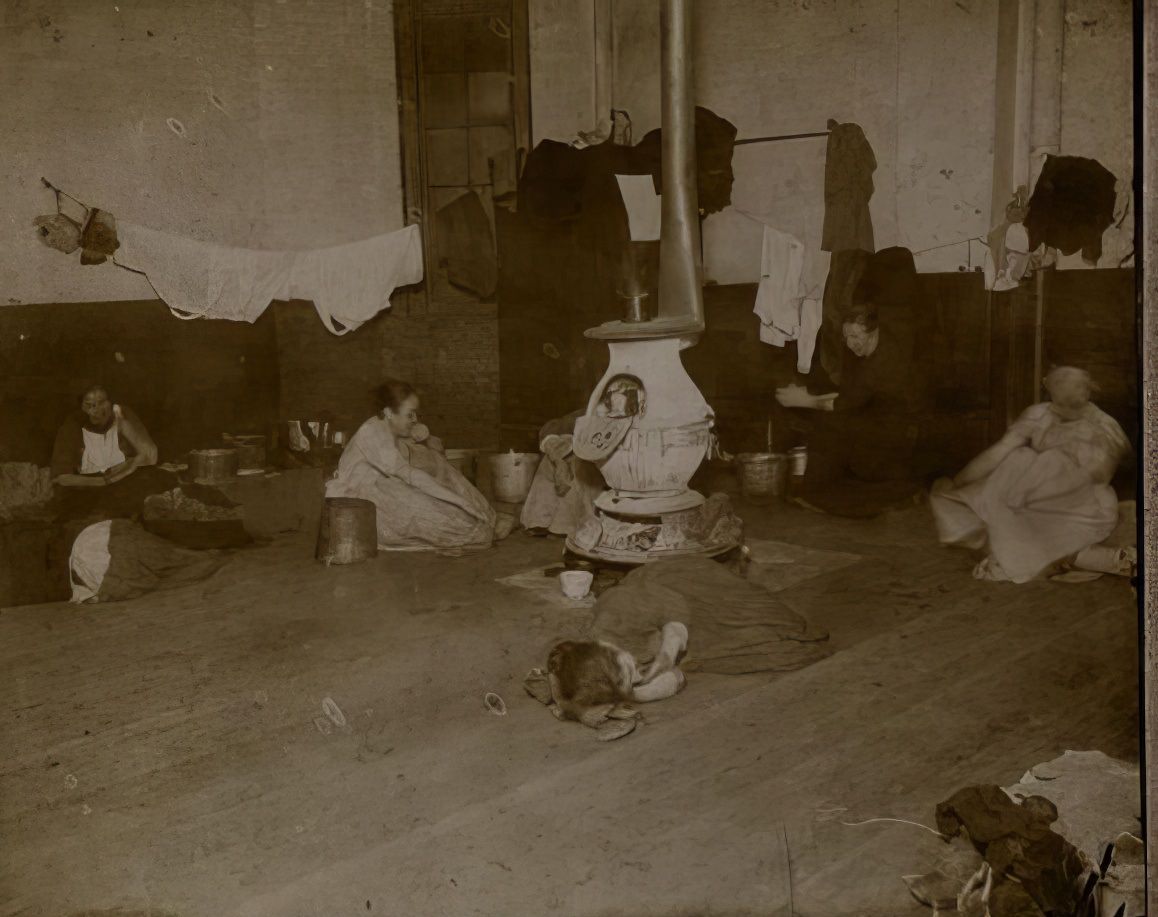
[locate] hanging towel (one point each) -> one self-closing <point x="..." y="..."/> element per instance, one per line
<point x="203" y="280"/>
<point x="350" y="283"/>
<point x="778" y="295"/>
<point x="643" y="206"/>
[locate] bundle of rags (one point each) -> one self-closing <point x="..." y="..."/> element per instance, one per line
<point x="1031" y="870"/>
<point x="735" y="627"/>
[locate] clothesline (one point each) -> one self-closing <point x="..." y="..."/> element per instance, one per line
<point x="934" y="248"/>
<point x="832" y="123"/>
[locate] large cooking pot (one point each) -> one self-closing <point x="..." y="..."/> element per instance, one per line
<point x="213" y="466"/>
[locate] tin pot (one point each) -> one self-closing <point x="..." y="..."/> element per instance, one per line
<point x="213" y="466"/>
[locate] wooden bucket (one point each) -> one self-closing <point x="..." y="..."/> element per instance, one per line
<point x="349" y="531"/>
<point x="763" y="475"/>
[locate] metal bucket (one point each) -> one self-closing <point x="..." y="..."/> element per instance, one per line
<point x="798" y="461"/>
<point x="213" y="466"/>
<point x="763" y="475"/>
<point x="349" y="531"/>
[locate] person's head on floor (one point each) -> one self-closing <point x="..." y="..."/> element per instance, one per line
<point x="1070" y="390"/>
<point x="397" y="403"/>
<point x="861" y="329"/>
<point x="97" y="406"/>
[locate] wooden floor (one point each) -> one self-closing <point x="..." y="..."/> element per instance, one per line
<point x="161" y="756"/>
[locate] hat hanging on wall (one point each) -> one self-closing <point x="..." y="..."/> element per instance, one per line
<point x="58" y="231"/>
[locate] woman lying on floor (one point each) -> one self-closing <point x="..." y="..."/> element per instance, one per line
<point x="862" y="438"/>
<point x="1040" y="498"/>
<point x="423" y="502"/>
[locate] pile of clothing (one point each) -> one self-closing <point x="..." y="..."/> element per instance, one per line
<point x="1058" y="843"/>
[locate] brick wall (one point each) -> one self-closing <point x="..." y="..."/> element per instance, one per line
<point x="450" y="355"/>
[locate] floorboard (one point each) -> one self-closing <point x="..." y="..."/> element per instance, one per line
<point x="162" y="753"/>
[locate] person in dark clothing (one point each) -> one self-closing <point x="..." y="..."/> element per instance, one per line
<point x="861" y="439"/>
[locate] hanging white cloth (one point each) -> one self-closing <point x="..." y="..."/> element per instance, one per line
<point x="643" y="206"/>
<point x="102" y="451"/>
<point x="748" y="249"/>
<point x="352" y="283"/>
<point x="348" y="284"/>
<point x="785" y="312"/>
<point x="1007" y="257"/>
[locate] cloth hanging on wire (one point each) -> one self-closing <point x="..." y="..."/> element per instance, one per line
<point x="785" y="313"/>
<point x="1072" y="206"/>
<point x="848" y="185"/>
<point x="348" y="284"/>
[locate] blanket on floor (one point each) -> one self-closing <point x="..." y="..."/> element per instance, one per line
<point x="137" y="563"/>
<point x="736" y="627"/>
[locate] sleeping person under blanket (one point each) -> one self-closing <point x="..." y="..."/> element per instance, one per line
<point x="687" y="614"/>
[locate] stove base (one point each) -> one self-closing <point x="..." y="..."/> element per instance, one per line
<point x="618" y="503"/>
<point x="710" y="529"/>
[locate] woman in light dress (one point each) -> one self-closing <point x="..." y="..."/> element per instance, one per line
<point x="1041" y="495"/>
<point x="423" y="502"/>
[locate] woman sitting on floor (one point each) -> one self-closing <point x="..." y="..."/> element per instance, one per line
<point x="563" y="492"/>
<point x="862" y="439"/>
<point x="102" y="444"/>
<point x="423" y="502"/>
<point x="1041" y="495"/>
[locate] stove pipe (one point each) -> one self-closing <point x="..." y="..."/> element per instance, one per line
<point x="680" y="266"/>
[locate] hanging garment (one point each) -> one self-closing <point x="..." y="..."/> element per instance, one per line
<point x="811" y="319"/>
<point x="778" y="295"/>
<point x="1072" y="205"/>
<point x="1007" y="257"/>
<point x="466" y="245"/>
<point x="202" y="280"/>
<point x="348" y="283"/>
<point x="785" y="313"/>
<point x="58" y="231"/>
<point x="848" y="186"/>
<point x="844" y="273"/>
<point x="643" y="206"/>
<point x="99" y="238"/>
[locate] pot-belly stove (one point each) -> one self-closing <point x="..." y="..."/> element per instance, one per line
<point x="647" y="426"/>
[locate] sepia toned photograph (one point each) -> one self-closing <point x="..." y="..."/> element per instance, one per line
<point x="597" y="458"/>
